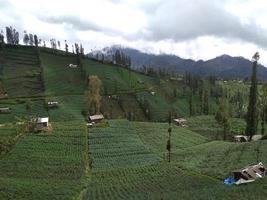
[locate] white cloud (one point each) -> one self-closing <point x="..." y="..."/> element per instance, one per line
<point x="198" y="29"/>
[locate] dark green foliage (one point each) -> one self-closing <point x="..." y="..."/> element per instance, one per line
<point x="252" y="114"/>
<point x="223" y="116"/>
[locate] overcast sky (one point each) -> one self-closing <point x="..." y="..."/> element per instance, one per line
<point x="197" y="29"/>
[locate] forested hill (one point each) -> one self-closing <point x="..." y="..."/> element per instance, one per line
<point x="224" y="66"/>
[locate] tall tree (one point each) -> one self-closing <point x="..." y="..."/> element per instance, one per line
<point x="168" y="146"/>
<point x="31" y="40"/>
<point x="66" y="47"/>
<point x="223" y="115"/>
<point x="9" y="36"/>
<point x="263" y="106"/>
<point x="35" y="40"/>
<point x="252" y="115"/>
<point x="92" y="95"/>
<point x="1" y="36"/>
<point x="26" y="38"/>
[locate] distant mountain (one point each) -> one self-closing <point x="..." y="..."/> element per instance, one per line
<point x="223" y="66"/>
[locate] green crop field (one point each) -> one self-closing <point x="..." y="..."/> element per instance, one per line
<point x="46" y="166"/>
<point x="59" y="78"/>
<point x="118" y="146"/>
<point x="69" y="108"/>
<point x="116" y="79"/>
<point x="21" y="73"/>
<point x="218" y="159"/>
<point x="9" y="135"/>
<point x="196" y="171"/>
<point x="155" y="136"/>
<point x="19" y="110"/>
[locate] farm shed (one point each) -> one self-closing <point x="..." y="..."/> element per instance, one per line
<point x="180" y="122"/>
<point x="96" y="118"/>
<point x="52" y="104"/>
<point x="249" y="173"/>
<point x="73" y="66"/>
<point x="241" y="138"/>
<point x="4" y="110"/>
<point x="140" y="82"/>
<point x="41" y="123"/>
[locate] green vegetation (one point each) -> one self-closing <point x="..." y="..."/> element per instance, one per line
<point x="119" y="158"/>
<point x="118" y="146"/>
<point x="9" y="135"/>
<point x="21" y="73"/>
<point x="59" y="78"/>
<point x="46" y="166"/>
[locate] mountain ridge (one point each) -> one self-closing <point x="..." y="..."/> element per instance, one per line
<point x="223" y="66"/>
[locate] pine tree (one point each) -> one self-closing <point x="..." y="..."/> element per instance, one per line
<point x="252" y="115"/>
<point x="222" y="116"/>
<point x="9" y="35"/>
<point x="35" y="40"/>
<point x="1" y="36"/>
<point x="31" y="40"/>
<point x="26" y="38"/>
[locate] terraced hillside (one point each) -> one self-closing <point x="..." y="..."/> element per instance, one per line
<point x="59" y="78"/>
<point x="118" y="146"/>
<point x="196" y="171"/>
<point x="46" y="166"/>
<point x="21" y="73"/>
<point x="119" y="158"/>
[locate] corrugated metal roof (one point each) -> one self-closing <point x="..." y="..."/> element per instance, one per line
<point x="96" y="117"/>
<point x="42" y="120"/>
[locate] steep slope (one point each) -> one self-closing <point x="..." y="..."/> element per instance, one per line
<point x="21" y="72"/>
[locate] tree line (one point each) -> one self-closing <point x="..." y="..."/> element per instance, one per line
<point x="12" y="37"/>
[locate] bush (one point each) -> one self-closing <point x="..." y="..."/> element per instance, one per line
<point x="264" y="137"/>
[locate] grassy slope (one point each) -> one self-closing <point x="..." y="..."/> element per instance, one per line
<point x="59" y="78"/>
<point x="26" y="79"/>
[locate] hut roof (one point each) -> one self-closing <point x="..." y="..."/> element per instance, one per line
<point x="96" y="117"/>
<point x="42" y="120"/>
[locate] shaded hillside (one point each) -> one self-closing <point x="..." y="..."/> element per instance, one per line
<point x="223" y="66"/>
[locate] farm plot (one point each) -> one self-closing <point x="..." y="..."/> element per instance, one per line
<point x="218" y="159"/>
<point x="165" y="181"/>
<point x="8" y="136"/>
<point x="118" y="146"/>
<point x="69" y="108"/>
<point x="21" y="109"/>
<point x="117" y="79"/>
<point x="46" y="166"/>
<point x="59" y="78"/>
<point x="156" y="107"/>
<point x="155" y="136"/>
<point x="21" y="72"/>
